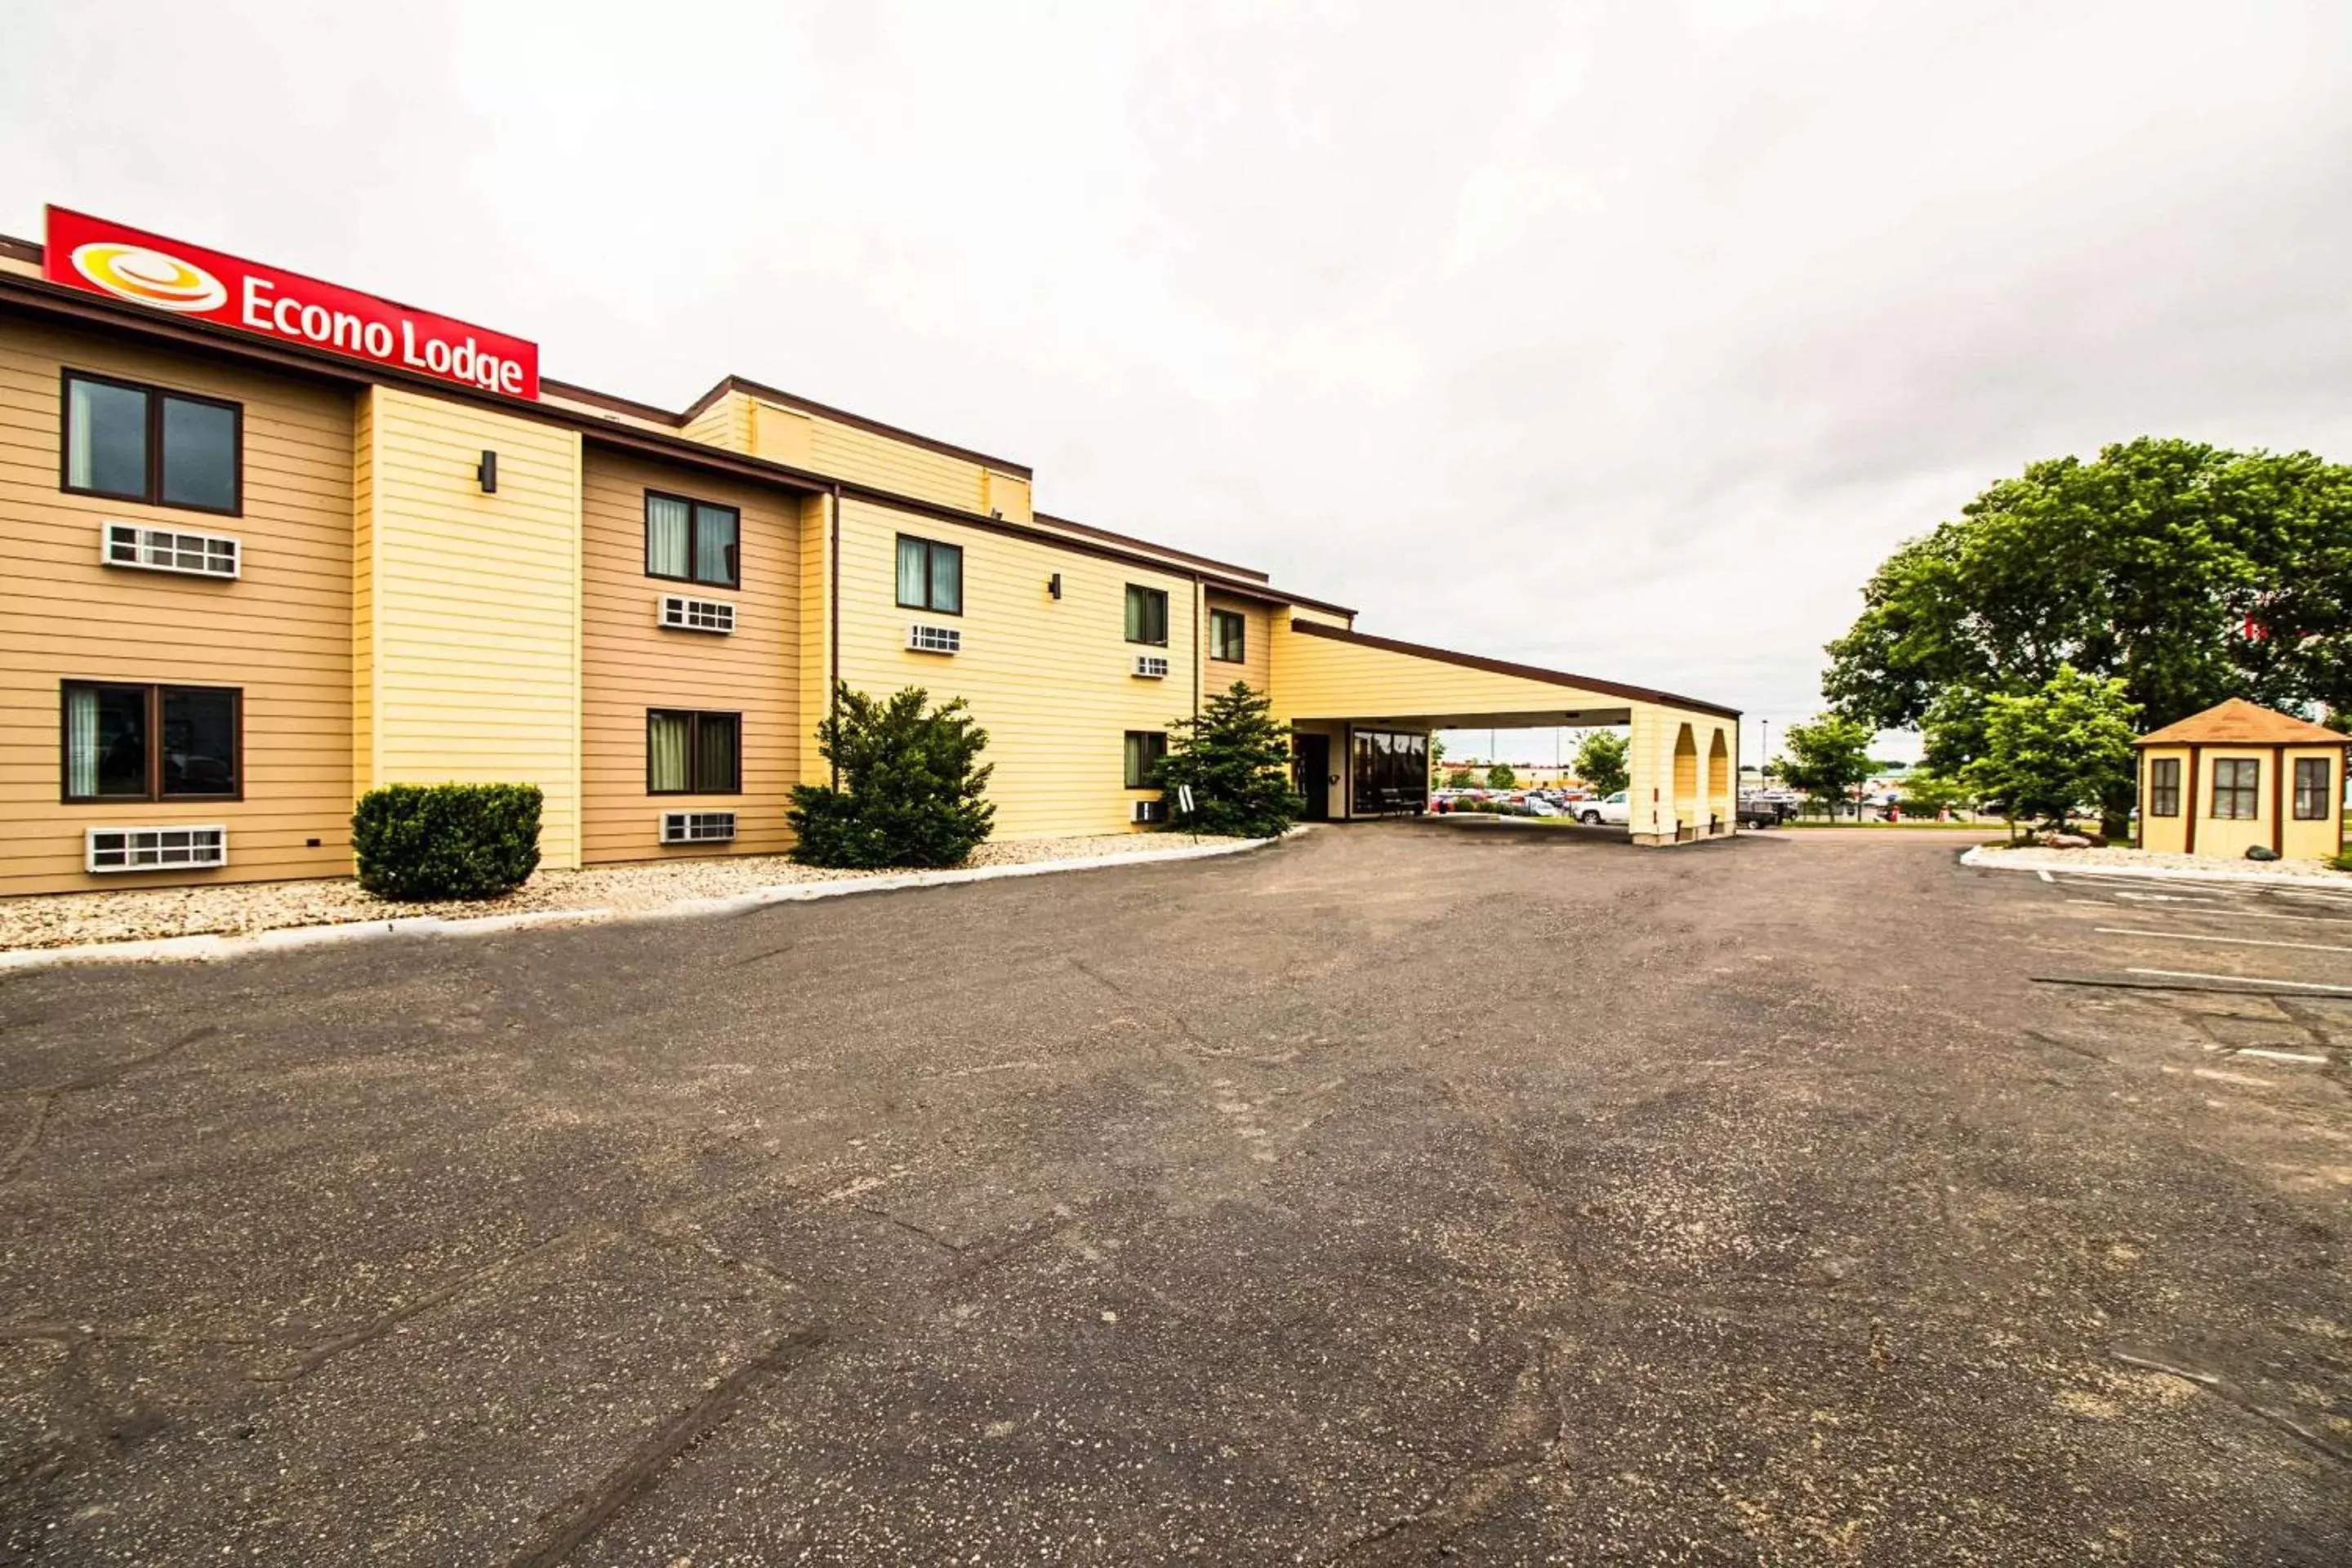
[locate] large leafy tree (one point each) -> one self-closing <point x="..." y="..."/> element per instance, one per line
<point x="1827" y="758"/>
<point x="1601" y="763"/>
<point x="2189" y="572"/>
<point x="1236" y="761"/>
<point x="2064" y="745"/>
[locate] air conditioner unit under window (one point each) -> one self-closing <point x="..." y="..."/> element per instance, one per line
<point x="168" y="549"/>
<point x="1152" y="666"/>
<point x="1150" y="811"/>
<point x="692" y="614"/>
<point x="697" y="827"/>
<point x="154" y="848"/>
<point x="925" y="638"/>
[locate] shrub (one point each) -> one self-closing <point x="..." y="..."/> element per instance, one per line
<point x="1236" y="760"/>
<point x="2342" y="862"/>
<point x="910" y="789"/>
<point x="422" y="842"/>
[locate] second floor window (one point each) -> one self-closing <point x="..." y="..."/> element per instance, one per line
<point x="144" y="444"/>
<point x="692" y="540"/>
<point x="1226" y="631"/>
<point x="2164" y="786"/>
<point x="2312" y="778"/>
<point x="930" y="575"/>
<point x="2237" y="785"/>
<point x="1147" y="615"/>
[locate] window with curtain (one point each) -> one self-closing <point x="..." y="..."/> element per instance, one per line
<point x="2237" y="789"/>
<point x="1146" y="750"/>
<point x="144" y="444"/>
<point x="2313" y="794"/>
<point x="693" y="541"/>
<point x="1227" y="628"/>
<point x="152" y="742"/>
<point x="1147" y="615"/>
<point x="930" y="575"/>
<point x="692" y="752"/>
<point x="2164" y="787"/>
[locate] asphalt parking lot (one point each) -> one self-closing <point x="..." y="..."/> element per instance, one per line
<point x="1401" y="1195"/>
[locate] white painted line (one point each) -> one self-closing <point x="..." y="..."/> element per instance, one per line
<point x="2165" y="898"/>
<point x="2047" y="876"/>
<point x="2280" y="1055"/>
<point x="2229" y="940"/>
<point x="2238" y="1077"/>
<point x="2223" y="914"/>
<point x="2242" y="980"/>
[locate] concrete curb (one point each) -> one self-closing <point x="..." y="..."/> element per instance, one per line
<point x="1980" y="859"/>
<point x="212" y="947"/>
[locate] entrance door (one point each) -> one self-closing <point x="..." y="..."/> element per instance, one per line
<point x="1310" y="774"/>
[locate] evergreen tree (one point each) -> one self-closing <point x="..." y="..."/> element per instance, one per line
<point x="1236" y="761"/>
<point x="910" y="789"/>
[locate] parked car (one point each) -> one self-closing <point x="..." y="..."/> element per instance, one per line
<point x="1537" y="806"/>
<point x="1763" y="811"/>
<point x="1611" y="809"/>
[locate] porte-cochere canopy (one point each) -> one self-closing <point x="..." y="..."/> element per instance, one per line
<point x="1330" y="680"/>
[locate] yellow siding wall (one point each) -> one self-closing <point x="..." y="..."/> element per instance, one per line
<point x="2168" y="834"/>
<point x="815" y="633"/>
<point x="2230" y="839"/>
<point x="1317" y="678"/>
<point x="1005" y="496"/>
<point x="281" y="632"/>
<point x="783" y="435"/>
<point x="475" y="605"/>
<point x="1257" y="652"/>
<point x="630" y="664"/>
<point x="726" y="423"/>
<point x="2324" y="838"/>
<point x="1050" y="679"/>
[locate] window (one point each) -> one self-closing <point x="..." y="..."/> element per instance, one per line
<point x="1147" y="615"/>
<point x="1146" y="750"/>
<point x="930" y="575"/>
<point x="2237" y="782"/>
<point x="1227" y="628"/>
<point x="1391" y="772"/>
<point x="693" y="754"/>
<point x="152" y="742"/>
<point x="2164" y="786"/>
<point x="2313" y="781"/>
<point x="692" y="540"/>
<point x="144" y="444"/>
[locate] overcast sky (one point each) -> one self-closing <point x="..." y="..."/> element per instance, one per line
<point x="1620" y="338"/>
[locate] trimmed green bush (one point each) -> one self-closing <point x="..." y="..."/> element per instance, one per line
<point x="419" y="843"/>
<point x="911" y="785"/>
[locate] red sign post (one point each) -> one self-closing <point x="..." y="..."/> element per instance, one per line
<point x="108" y="258"/>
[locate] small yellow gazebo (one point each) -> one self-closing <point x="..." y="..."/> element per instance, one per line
<point x="2239" y="774"/>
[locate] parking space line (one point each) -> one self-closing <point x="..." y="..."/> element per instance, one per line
<point x="2242" y="980"/>
<point x="2231" y="941"/>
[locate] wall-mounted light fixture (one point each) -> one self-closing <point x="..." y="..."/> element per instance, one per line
<point x="489" y="473"/>
<point x="1053" y="585"/>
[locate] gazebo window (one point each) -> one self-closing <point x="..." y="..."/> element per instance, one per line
<point x="2237" y="787"/>
<point x="2164" y="786"/>
<point x="2312" y="776"/>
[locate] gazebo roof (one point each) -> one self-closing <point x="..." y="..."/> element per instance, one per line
<point x="2239" y="723"/>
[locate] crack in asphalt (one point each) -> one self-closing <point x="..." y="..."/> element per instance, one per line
<point x="45" y="1100"/>
<point x="2213" y="1382"/>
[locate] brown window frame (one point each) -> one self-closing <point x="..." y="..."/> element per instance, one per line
<point x="2245" y="789"/>
<point x="2164" y="786"/>
<point x="1152" y="756"/>
<point x="2317" y="796"/>
<point x="694" y="717"/>
<point x="1161" y="595"/>
<point x="154" y="693"/>
<point x="694" y="509"/>
<point x="1240" y="623"/>
<point x="155" y="395"/>
<point x="931" y="549"/>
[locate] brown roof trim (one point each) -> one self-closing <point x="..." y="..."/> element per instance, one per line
<point x="22" y="249"/>
<point x="1214" y="565"/>
<point x="32" y="297"/>
<point x="591" y="397"/>
<point x="1266" y="593"/>
<point x="810" y="406"/>
<point x="1503" y="666"/>
<point x="2234" y="721"/>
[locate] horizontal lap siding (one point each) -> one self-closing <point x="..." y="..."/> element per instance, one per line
<point x="1050" y="679"/>
<point x="283" y="632"/>
<point x="475" y="604"/>
<point x="630" y="664"/>
<point x="1317" y="678"/>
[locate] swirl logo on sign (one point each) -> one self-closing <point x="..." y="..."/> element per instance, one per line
<point x="149" y="277"/>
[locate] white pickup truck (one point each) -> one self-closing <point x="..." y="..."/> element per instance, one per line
<point x="1611" y="809"/>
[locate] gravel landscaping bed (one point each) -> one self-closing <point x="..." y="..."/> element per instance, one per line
<point x="2152" y="861"/>
<point x="139" y="914"/>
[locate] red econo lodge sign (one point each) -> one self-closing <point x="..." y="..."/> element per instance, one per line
<point x="104" y="258"/>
